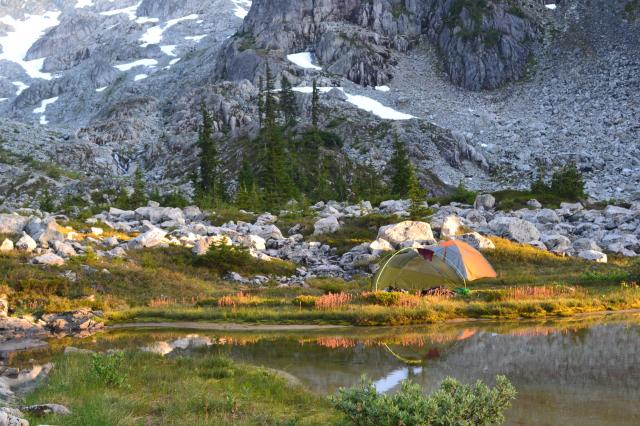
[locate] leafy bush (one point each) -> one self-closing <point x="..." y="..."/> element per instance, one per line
<point x="383" y="298"/>
<point x="107" y="368"/>
<point x="452" y="404"/>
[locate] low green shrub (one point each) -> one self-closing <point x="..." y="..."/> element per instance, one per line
<point x="108" y="369"/>
<point x="452" y="404"/>
<point x="383" y="298"/>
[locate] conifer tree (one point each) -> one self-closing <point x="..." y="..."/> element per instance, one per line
<point x="315" y="105"/>
<point x="209" y="186"/>
<point x="416" y="194"/>
<point x="247" y="196"/>
<point x="277" y="182"/>
<point x="139" y="196"/>
<point x="287" y="102"/>
<point x="400" y="170"/>
<point x="260" y="100"/>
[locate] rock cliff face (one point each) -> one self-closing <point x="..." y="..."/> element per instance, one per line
<point x="483" y="44"/>
<point x="105" y="87"/>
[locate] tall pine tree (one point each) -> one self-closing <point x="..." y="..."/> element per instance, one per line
<point x="276" y="180"/>
<point x="315" y="105"/>
<point x="288" y="102"/>
<point x="401" y="170"/>
<point x="209" y="185"/>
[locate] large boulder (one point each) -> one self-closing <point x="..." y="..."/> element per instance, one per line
<point x="593" y="255"/>
<point x="45" y="232"/>
<point x="64" y="249"/>
<point x="327" y="225"/>
<point x="6" y="246"/>
<point x="450" y="227"/>
<point x="12" y="223"/>
<point x="397" y="207"/>
<point x="151" y="238"/>
<point x="547" y="216"/>
<point x="477" y="241"/>
<point x="515" y="229"/>
<point x="26" y="243"/>
<point x="484" y="202"/>
<point x="49" y="259"/>
<point x="557" y="243"/>
<point x="582" y="244"/>
<point x="407" y="231"/>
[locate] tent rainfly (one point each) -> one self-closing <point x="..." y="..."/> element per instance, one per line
<point x="449" y="263"/>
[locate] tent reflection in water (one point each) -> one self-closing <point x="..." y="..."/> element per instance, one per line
<point x="449" y="263"/>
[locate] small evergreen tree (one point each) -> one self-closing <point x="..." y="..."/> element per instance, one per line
<point x="46" y="201"/>
<point x="315" y="105"/>
<point x="247" y="196"/>
<point x="287" y="102"/>
<point x="400" y="170"/>
<point x="416" y="194"/>
<point x="139" y="196"/>
<point x="568" y="182"/>
<point x="260" y="100"/>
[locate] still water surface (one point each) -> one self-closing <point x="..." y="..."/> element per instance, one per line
<point x="572" y="372"/>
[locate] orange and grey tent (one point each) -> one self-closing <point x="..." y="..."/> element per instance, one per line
<point x="449" y="263"/>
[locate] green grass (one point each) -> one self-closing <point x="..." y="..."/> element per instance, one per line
<point x="355" y="231"/>
<point x="195" y="390"/>
<point x="511" y="199"/>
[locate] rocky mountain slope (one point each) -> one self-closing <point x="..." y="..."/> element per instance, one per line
<point x="483" y="92"/>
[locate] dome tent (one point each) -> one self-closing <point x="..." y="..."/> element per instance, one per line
<point x="449" y="263"/>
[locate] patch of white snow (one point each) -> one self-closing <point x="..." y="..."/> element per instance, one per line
<point x="169" y="50"/>
<point x="364" y="103"/>
<point x="43" y="108"/>
<point x="303" y="60"/>
<point x="154" y="34"/>
<point x="129" y="11"/>
<point x="551" y="6"/>
<point x="242" y="8"/>
<point x="142" y="62"/>
<point x="22" y="35"/>
<point x="21" y="87"/>
<point x="140" y="77"/>
<point x="101" y="89"/>
<point x="84" y="3"/>
<point x="383" y="88"/>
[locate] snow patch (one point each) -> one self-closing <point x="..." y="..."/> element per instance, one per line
<point x="197" y="38"/>
<point x="364" y="103"/>
<point x="43" y="108"/>
<point x="129" y="11"/>
<point x="551" y="6"/>
<point x="139" y="63"/>
<point x="154" y="34"/>
<point x="169" y="50"/>
<point x="146" y="20"/>
<point x="304" y="60"/>
<point x="4" y="99"/>
<point x="383" y="88"/>
<point x="101" y="89"/>
<point x="376" y="108"/>
<point x="17" y="42"/>
<point x="21" y="87"/>
<point x="242" y="8"/>
<point x="84" y="3"/>
<point x="140" y="77"/>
